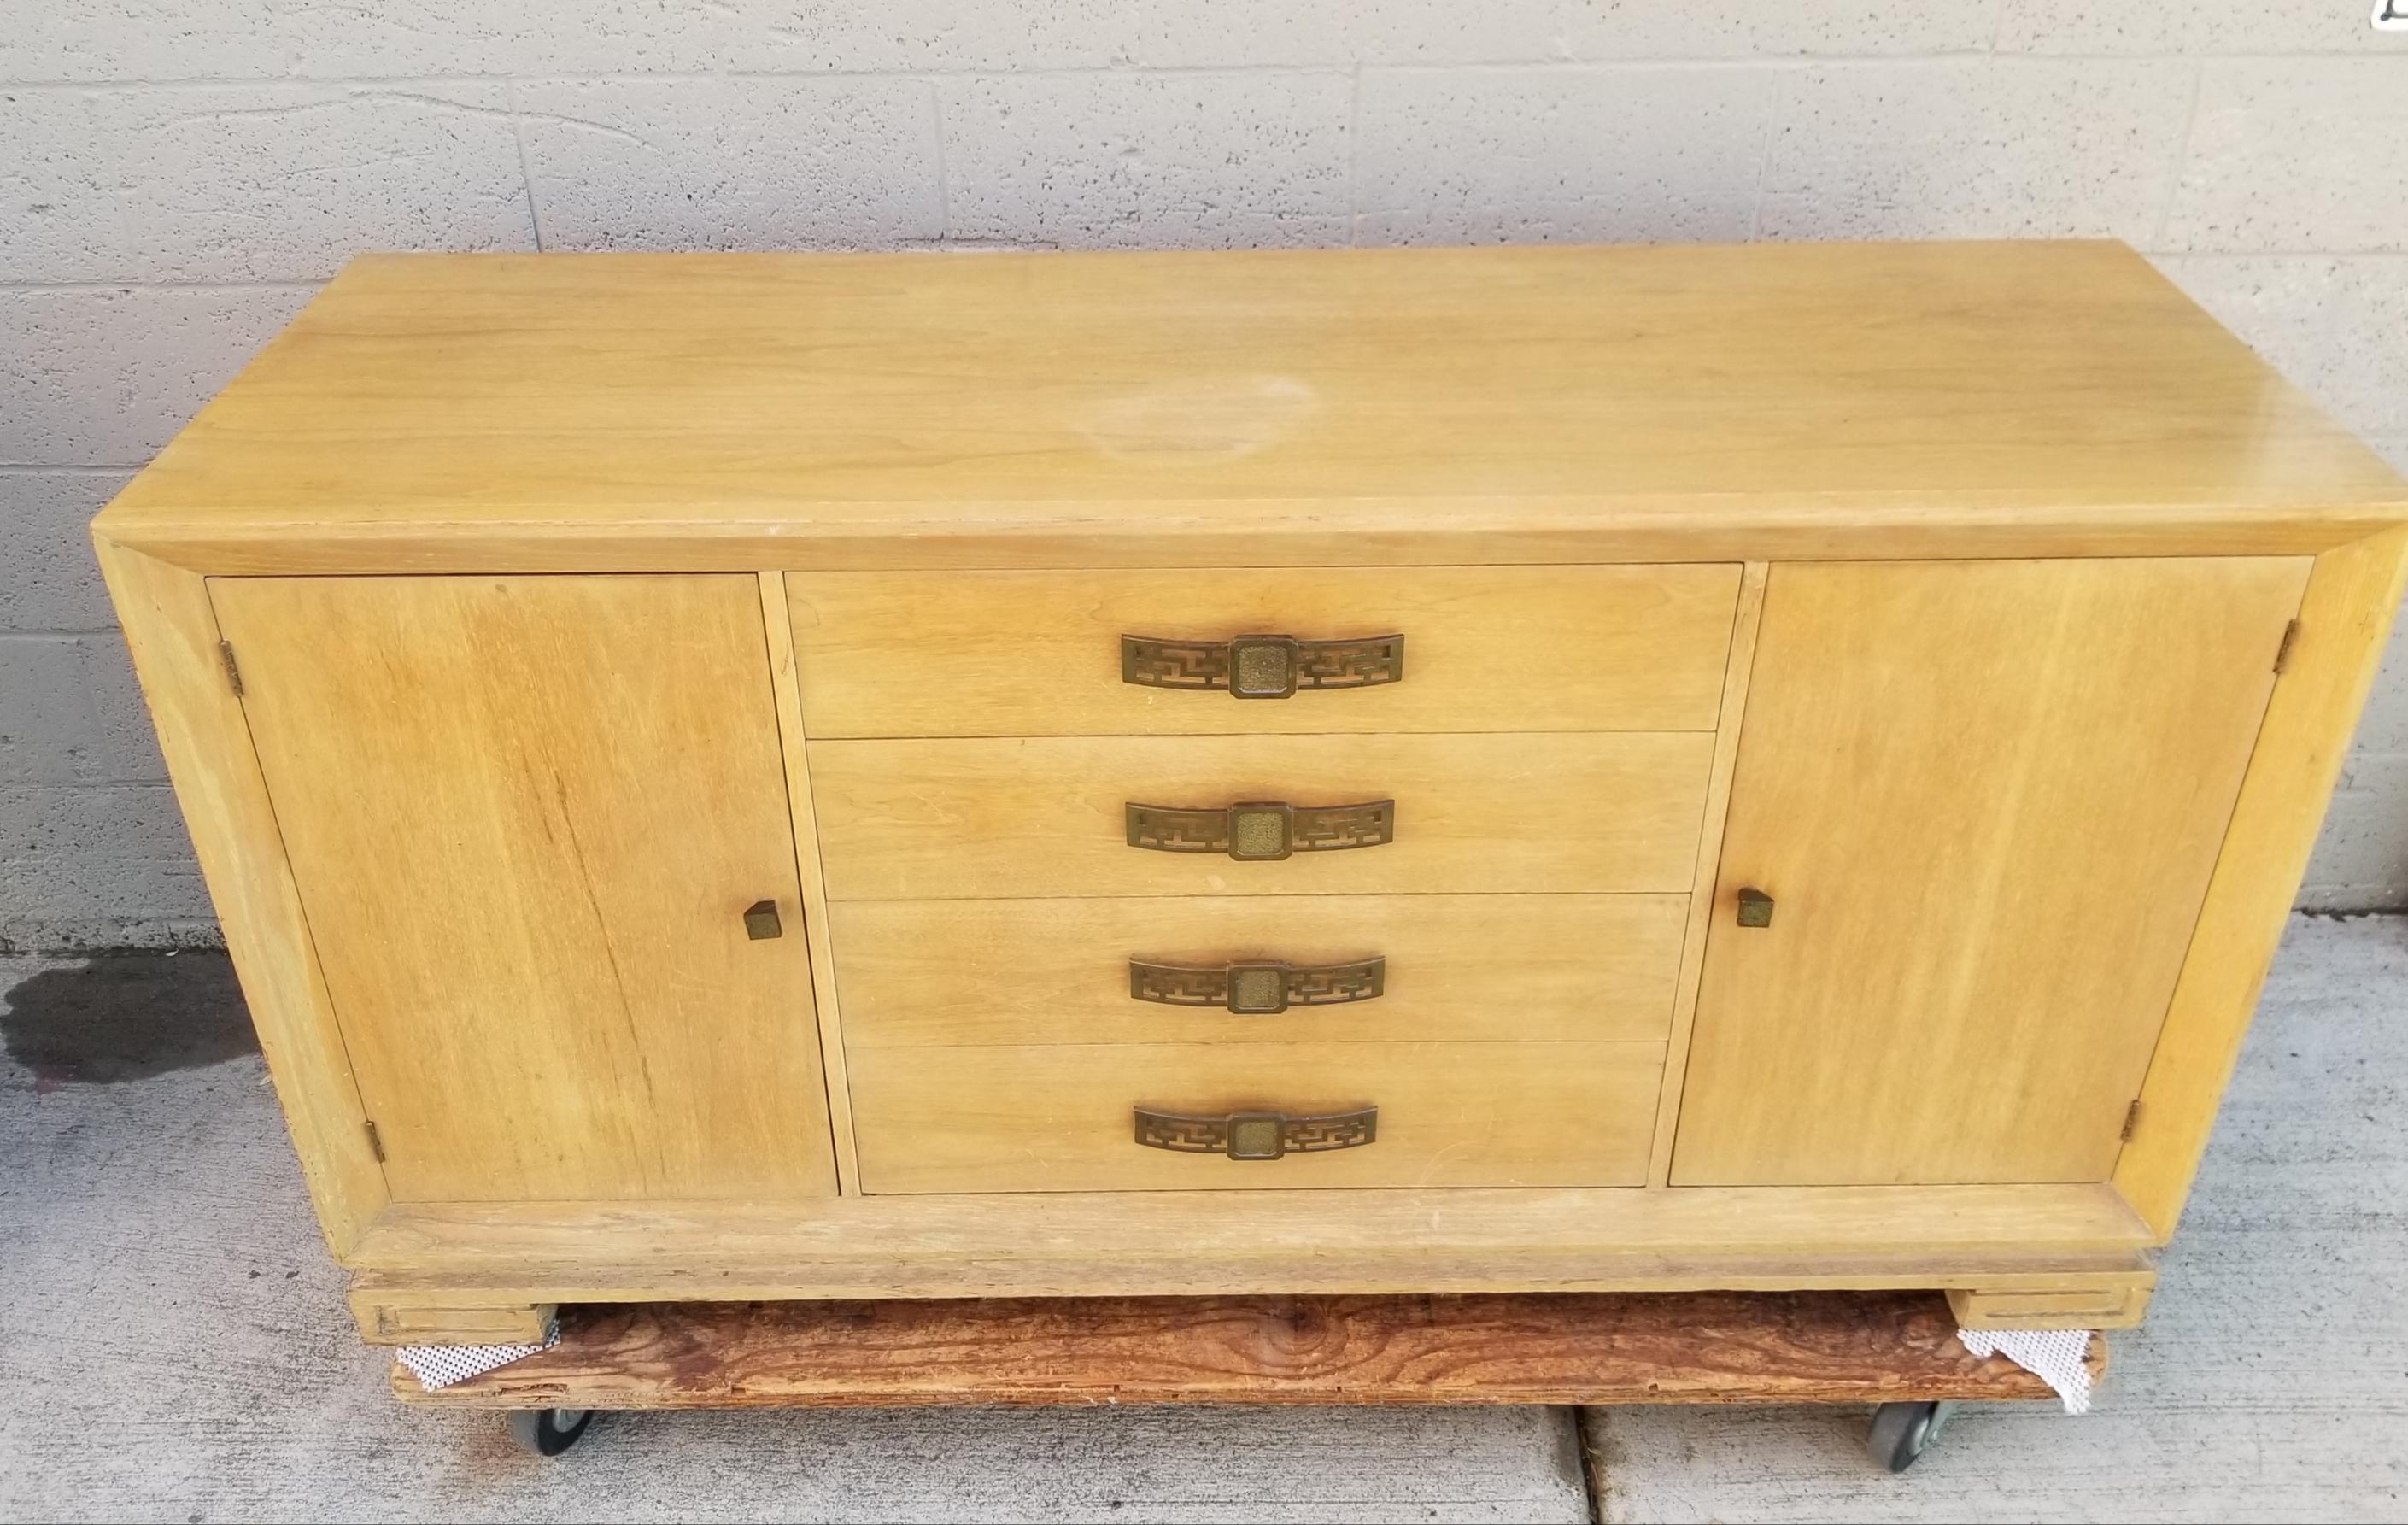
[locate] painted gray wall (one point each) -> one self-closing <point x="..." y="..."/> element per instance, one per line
<point x="177" y="177"/>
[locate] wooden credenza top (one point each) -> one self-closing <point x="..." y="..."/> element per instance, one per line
<point x="1278" y="407"/>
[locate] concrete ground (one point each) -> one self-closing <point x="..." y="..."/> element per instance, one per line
<point x="173" y="1344"/>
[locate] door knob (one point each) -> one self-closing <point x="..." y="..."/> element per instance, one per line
<point x="1755" y="908"/>
<point x="761" y="920"/>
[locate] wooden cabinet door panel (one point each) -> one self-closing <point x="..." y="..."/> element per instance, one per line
<point x="1985" y="799"/>
<point x="526" y="815"/>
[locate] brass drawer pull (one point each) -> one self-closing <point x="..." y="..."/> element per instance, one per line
<point x="1256" y="1135"/>
<point x="1257" y="989"/>
<point x="1262" y="666"/>
<point x="1260" y="831"/>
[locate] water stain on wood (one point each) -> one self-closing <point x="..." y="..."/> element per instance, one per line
<point x="120" y="1016"/>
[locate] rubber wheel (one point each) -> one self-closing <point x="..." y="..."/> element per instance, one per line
<point x="548" y="1431"/>
<point x="1903" y="1431"/>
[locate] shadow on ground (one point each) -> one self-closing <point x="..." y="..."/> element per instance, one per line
<point x="119" y="1016"/>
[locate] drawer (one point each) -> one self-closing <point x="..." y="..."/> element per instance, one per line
<point x="1448" y="967"/>
<point x="1047" y="817"/>
<point x="1040" y="654"/>
<point x="1062" y="1118"/>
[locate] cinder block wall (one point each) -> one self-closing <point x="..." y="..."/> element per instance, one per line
<point x="176" y="176"/>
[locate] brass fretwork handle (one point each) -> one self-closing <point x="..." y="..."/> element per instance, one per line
<point x="1260" y="830"/>
<point x="1256" y="1135"/>
<point x="1262" y="666"/>
<point x="1264" y="989"/>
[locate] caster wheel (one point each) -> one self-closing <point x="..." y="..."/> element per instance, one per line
<point x="1903" y="1432"/>
<point x="548" y="1431"/>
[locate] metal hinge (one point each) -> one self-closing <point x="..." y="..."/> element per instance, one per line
<point x="233" y="671"/>
<point x="2283" y="652"/>
<point x="2131" y="1120"/>
<point x="375" y="1139"/>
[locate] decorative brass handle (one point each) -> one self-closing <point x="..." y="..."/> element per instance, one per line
<point x="1262" y="666"/>
<point x="1256" y="1135"/>
<point x="1259" y="831"/>
<point x="1257" y="989"/>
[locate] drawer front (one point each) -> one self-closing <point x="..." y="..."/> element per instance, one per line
<point x="1047" y="817"/>
<point x="1040" y="654"/>
<point x="1447" y="968"/>
<point x="1062" y="1118"/>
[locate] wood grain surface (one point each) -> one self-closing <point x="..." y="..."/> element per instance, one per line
<point x="1046" y="816"/>
<point x="1986" y="798"/>
<point x="527" y="816"/>
<point x="1039" y="653"/>
<point x="1327" y="406"/>
<point x="938" y="974"/>
<point x="1544" y="1348"/>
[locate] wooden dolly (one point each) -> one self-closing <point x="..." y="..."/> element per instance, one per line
<point x="1897" y="1350"/>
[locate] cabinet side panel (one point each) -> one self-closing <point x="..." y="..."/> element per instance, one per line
<point x="2344" y="621"/>
<point x="173" y="636"/>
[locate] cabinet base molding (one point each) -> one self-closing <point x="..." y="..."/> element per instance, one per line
<point x="2005" y="1239"/>
<point x="2102" y="1303"/>
<point x="1716" y="1347"/>
<point x="467" y="1323"/>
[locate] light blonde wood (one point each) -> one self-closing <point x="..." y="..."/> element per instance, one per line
<point x="1986" y="799"/>
<point x="2111" y="1302"/>
<point x="1532" y="1348"/>
<point x="1142" y="1244"/>
<point x="173" y="636"/>
<point x="1045" y="817"/>
<point x="817" y="931"/>
<point x="920" y="973"/>
<point x="1270" y="408"/>
<point x="1059" y="1118"/>
<point x="1701" y="909"/>
<point x="2344" y="625"/>
<point x="1240" y="427"/>
<point x="514" y="1323"/>
<point x="526" y="815"/>
<point x="1486" y="649"/>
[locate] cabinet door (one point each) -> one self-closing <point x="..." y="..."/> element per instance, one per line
<point x="1985" y="797"/>
<point x="527" y="816"/>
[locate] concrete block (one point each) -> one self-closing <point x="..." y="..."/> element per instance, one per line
<point x="418" y="38"/>
<point x="2393" y="451"/>
<point x="1569" y="155"/>
<point x="252" y="183"/>
<point x="48" y="578"/>
<point x="2362" y="859"/>
<point x="127" y="749"/>
<point x="50" y="732"/>
<point x="1206" y="160"/>
<point x="92" y="866"/>
<point x="171" y="39"/>
<point x="2262" y="26"/>
<point x="1620" y="30"/>
<point x="1100" y="33"/>
<point x="733" y="163"/>
<point x="70" y="712"/>
<point x="2296" y="153"/>
<point x="105" y="377"/>
<point x="1977" y="148"/>
<point x="2384" y="728"/>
